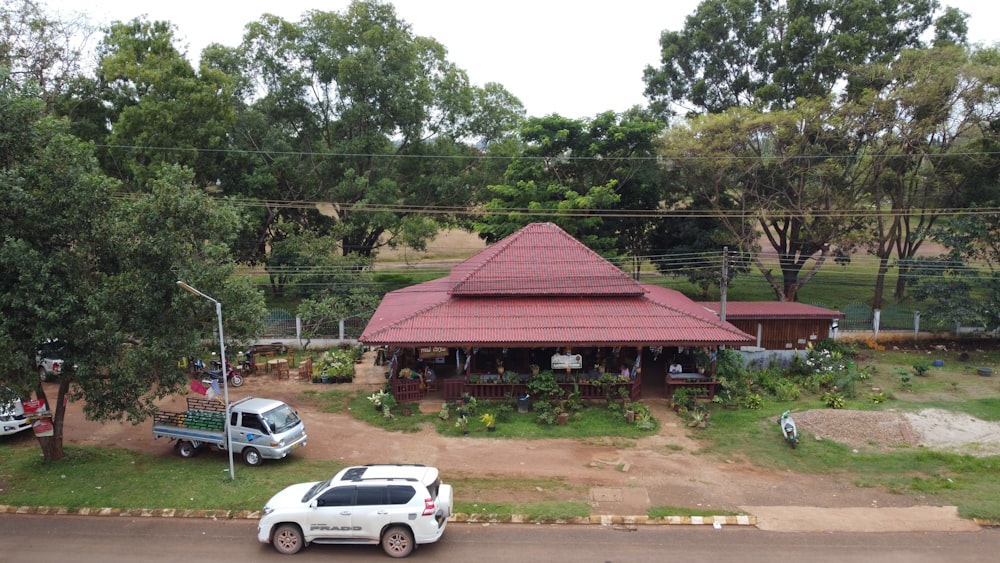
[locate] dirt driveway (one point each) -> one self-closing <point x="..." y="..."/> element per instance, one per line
<point x="621" y="476"/>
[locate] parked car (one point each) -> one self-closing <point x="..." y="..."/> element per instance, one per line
<point x="397" y="506"/>
<point x="49" y="359"/>
<point x="12" y="419"/>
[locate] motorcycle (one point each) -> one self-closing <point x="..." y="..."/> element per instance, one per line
<point x="233" y="377"/>
<point x="788" y="428"/>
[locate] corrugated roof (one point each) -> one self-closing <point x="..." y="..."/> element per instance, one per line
<point x="541" y="259"/>
<point x="543" y="321"/>
<point x="772" y="310"/>
<point x="541" y="287"/>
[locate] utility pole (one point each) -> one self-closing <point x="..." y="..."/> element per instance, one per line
<point x="724" y="284"/>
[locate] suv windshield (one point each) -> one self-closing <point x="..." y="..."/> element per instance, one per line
<point x="281" y="419"/>
<point x="315" y="489"/>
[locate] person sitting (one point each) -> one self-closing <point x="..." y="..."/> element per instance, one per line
<point x="428" y="379"/>
<point x="675" y="367"/>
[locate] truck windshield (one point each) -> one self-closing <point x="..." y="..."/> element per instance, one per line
<point x="281" y="419"/>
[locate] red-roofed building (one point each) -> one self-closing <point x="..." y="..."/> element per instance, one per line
<point x="541" y="291"/>
<point x="779" y="325"/>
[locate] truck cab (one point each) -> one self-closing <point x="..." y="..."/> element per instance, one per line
<point x="264" y="429"/>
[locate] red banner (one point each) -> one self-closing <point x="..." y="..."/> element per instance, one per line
<point x="34" y="406"/>
<point x="43" y="427"/>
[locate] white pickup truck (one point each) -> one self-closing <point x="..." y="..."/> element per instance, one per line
<point x="12" y="419"/>
<point x="48" y="360"/>
<point x="259" y="428"/>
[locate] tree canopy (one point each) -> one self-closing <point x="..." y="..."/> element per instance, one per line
<point x="769" y="53"/>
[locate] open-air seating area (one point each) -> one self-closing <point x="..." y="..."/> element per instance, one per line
<point x="495" y="387"/>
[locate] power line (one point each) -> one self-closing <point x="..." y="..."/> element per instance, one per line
<point x="553" y="158"/>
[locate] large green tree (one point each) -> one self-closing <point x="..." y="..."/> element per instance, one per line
<point x="38" y="47"/>
<point x="923" y="128"/>
<point x="796" y="173"/>
<point x="768" y="53"/>
<point x="354" y="111"/>
<point x="81" y="264"/>
<point x="158" y="109"/>
<point x="596" y="178"/>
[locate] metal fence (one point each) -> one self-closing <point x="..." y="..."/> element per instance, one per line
<point x="897" y="318"/>
<point x="280" y="323"/>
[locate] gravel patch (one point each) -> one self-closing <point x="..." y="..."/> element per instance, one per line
<point x="887" y="430"/>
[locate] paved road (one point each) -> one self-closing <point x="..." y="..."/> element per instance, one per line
<point x="29" y="539"/>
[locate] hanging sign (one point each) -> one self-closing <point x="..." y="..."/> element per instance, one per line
<point x="34" y="407"/>
<point x="43" y="427"/>
<point x="433" y="352"/>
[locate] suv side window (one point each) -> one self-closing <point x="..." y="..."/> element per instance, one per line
<point x="400" y="494"/>
<point x="371" y="495"/>
<point x="337" y="496"/>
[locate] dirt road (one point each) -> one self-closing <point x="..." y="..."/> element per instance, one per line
<point x="622" y="476"/>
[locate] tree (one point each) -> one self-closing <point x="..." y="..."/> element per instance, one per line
<point x="38" y="48"/>
<point x="158" y="109"/>
<point x="598" y="179"/>
<point x="922" y="133"/>
<point x="769" y="53"/>
<point x="99" y="272"/>
<point x="963" y="284"/>
<point x="353" y="110"/>
<point x="794" y="172"/>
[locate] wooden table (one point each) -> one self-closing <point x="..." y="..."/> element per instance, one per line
<point x="279" y="365"/>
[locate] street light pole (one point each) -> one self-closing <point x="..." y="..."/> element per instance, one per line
<point x="225" y="374"/>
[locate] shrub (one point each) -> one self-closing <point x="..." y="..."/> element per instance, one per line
<point x="833" y="400"/>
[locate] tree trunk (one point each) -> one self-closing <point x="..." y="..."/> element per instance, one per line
<point x="52" y="446"/>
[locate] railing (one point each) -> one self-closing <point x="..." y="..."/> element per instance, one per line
<point x="454" y="388"/>
<point x="699" y="388"/>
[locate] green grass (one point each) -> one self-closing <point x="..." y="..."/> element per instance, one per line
<point x="92" y="477"/>
<point x="663" y="511"/>
<point x="948" y="479"/>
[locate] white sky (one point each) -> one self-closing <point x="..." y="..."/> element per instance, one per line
<point x="570" y="57"/>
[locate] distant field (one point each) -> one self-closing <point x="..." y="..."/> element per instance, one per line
<point x="834" y="286"/>
<point x="450" y="244"/>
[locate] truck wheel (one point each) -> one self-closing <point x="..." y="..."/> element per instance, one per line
<point x="236" y="380"/>
<point x="397" y="541"/>
<point x="252" y="458"/>
<point x="288" y="539"/>
<point x="186" y="449"/>
<point x="42" y="375"/>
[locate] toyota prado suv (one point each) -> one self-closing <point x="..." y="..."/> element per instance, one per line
<point x="397" y="506"/>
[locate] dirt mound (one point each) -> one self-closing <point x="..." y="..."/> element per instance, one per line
<point x="886" y="430"/>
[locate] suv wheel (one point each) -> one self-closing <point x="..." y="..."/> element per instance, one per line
<point x="288" y="539"/>
<point x="398" y="541"/>
<point x="42" y="375"/>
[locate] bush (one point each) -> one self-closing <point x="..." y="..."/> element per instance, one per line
<point x="833" y="400"/>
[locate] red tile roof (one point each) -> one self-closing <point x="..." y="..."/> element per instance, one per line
<point x="772" y="310"/>
<point x="541" y="259"/>
<point x="541" y="287"/>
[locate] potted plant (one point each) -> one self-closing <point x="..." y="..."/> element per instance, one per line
<point x="702" y="359"/>
<point x="490" y="421"/>
<point x="462" y="424"/>
<point x="534" y="369"/>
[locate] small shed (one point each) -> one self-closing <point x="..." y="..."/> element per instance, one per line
<point x="779" y="325"/>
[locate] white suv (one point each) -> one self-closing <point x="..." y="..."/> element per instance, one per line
<point x="397" y="506"/>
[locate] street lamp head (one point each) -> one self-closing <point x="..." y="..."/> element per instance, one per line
<point x="194" y="291"/>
